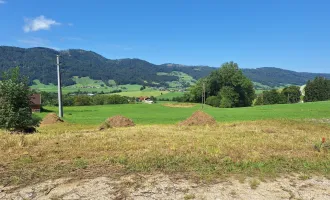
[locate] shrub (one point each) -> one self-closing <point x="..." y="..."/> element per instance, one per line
<point x="15" y="111"/>
<point x="82" y="100"/>
<point x="213" y="101"/>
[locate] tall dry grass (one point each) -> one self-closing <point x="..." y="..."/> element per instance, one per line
<point x="248" y="148"/>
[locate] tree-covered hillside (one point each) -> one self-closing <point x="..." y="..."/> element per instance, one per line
<point x="275" y="77"/>
<point x="40" y="64"/>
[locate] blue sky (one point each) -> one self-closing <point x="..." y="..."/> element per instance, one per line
<point x="290" y="34"/>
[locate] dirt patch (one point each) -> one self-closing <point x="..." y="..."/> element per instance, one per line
<point x="198" y="118"/>
<point x="117" y="121"/>
<point x="323" y="121"/>
<point x="179" y="105"/>
<point x="161" y="186"/>
<point x="51" y="118"/>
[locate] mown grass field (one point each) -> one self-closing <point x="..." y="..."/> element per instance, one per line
<point x="159" y="114"/>
<point x="263" y="141"/>
<point x="265" y="148"/>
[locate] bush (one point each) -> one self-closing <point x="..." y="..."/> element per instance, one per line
<point x="271" y="97"/>
<point x="15" y="111"/>
<point x="82" y="100"/>
<point x="213" y="101"/>
<point x="68" y="100"/>
<point x="116" y="99"/>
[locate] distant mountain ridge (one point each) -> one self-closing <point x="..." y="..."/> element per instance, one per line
<point x="40" y="63"/>
<point x="275" y="77"/>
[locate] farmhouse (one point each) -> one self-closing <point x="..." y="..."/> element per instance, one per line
<point x="35" y="102"/>
<point x="145" y="100"/>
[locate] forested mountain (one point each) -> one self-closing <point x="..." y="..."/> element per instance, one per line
<point x="273" y="77"/>
<point x="40" y="63"/>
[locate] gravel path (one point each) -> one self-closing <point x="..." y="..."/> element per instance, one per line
<point x="161" y="186"/>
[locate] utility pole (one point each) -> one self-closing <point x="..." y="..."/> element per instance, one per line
<point x="59" y="88"/>
<point x="203" y="95"/>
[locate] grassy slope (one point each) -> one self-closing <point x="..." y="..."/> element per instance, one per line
<point x="141" y="93"/>
<point x="86" y="81"/>
<point x="183" y="77"/>
<point x="170" y="95"/>
<point x="158" y="114"/>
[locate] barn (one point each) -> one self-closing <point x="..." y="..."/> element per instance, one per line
<point x="35" y="102"/>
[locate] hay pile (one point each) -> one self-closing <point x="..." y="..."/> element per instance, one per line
<point x="116" y="121"/>
<point x="199" y="118"/>
<point x="51" y="118"/>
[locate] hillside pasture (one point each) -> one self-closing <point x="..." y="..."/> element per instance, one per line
<point x="170" y="95"/>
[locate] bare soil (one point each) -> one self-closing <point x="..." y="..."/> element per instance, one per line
<point x="199" y="118"/>
<point x="119" y="121"/>
<point x="51" y="118"/>
<point x="160" y="186"/>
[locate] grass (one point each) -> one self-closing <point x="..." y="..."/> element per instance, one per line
<point x="84" y="84"/>
<point x="86" y="81"/>
<point x="189" y="196"/>
<point x="263" y="141"/>
<point x="254" y="183"/>
<point x="170" y="95"/>
<point x="159" y="114"/>
<point x="183" y="77"/>
<point x="245" y="148"/>
<point x="142" y="93"/>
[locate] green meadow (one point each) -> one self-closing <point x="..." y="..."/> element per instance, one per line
<point x="160" y="114"/>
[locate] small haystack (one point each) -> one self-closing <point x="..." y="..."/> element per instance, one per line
<point x="51" y="118"/>
<point x="199" y="118"/>
<point x="117" y="121"/>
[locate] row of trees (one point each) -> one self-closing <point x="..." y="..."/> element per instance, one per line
<point x="50" y="99"/>
<point x="315" y="90"/>
<point x="291" y="94"/>
<point x="226" y="87"/>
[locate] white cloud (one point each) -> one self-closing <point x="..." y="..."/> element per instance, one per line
<point x="70" y="24"/>
<point x="38" y="23"/>
<point x="2" y="2"/>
